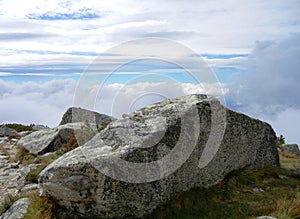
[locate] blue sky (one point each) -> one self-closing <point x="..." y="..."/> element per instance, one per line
<point x="252" y="47"/>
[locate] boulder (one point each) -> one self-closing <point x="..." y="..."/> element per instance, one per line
<point x="74" y="120"/>
<point x="152" y="155"/>
<point x="17" y="210"/>
<point x="290" y="148"/>
<point x="49" y="140"/>
<point x="39" y="127"/>
<point x="74" y="115"/>
<point x="11" y="133"/>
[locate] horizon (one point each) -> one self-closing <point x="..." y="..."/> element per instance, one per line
<point x="253" y="49"/>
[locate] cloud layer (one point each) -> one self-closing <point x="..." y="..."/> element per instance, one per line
<point x="269" y="88"/>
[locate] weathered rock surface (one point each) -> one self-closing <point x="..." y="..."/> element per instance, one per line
<point x="48" y="140"/>
<point x="12" y="175"/>
<point x="138" y="163"/>
<point x="290" y="148"/>
<point x="11" y="133"/>
<point x="74" y="115"/>
<point x="17" y="210"/>
<point x="74" y="120"/>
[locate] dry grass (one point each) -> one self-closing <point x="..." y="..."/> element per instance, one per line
<point x="289" y="161"/>
<point x="288" y="208"/>
<point x="40" y="207"/>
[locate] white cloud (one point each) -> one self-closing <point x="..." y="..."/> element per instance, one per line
<point x="45" y="103"/>
<point x="32" y="102"/>
<point x="206" y="26"/>
<point x="269" y="88"/>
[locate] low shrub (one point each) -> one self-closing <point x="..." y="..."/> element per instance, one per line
<point x="19" y="127"/>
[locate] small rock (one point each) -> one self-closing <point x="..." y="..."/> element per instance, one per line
<point x="17" y="210"/>
<point x="39" y="127"/>
<point x="282" y="177"/>
<point x="258" y="190"/>
<point x="13" y="140"/>
<point x="14" y="165"/>
<point x="266" y="217"/>
<point x="29" y="187"/>
<point x="290" y="148"/>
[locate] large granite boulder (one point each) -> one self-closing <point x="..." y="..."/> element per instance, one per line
<point x="75" y="120"/>
<point x="149" y="157"/>
<point x="290" y="148"/>
<point x="74" y="115"/>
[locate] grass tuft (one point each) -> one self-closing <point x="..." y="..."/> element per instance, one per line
<point x="40" y="207"/>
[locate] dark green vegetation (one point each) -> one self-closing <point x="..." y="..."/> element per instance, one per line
<point x="19" y="127"/>
<point x="280" y="140"/>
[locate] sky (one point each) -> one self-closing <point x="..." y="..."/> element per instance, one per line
<point x="252" y="47"/>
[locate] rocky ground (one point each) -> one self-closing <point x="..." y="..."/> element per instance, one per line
<point x="12" y="174"/>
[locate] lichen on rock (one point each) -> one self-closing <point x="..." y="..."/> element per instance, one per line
<point x="172" y="145"/>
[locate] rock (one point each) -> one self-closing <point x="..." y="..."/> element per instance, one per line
<point x="3" y="139"/>
<point x="266" y="217"/>
<point x="258" y="190"/>
<point x="17" y="210"/>
<point x="74" y="115"/>
<point x="29" y="187"/>
<point x="75" y="119"/>
<point x="11" y="133"/>
<point x="24" y="133"/>
<point x="290" y="148"/>
<point x="49" y="140"/>
<point x="149" y="157"/>
<point x="39" y="127"/>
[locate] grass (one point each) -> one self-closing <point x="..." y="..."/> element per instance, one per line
<point x="289" y="160"/>
<point x="40" y="207"/>
<point x="23" y="156"/>
<point x="234" y="197"/>
<point x="33" y="175"/>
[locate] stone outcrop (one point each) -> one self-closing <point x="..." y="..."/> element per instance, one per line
<point x="17" y="210"/>
<point x="140" y="162"/>
<point x="11" y="133"/>
<point x="48" y="140"/>
<point x="75" y="115"/>
<point x="74" y="120"/>
<point x="290" y="148"/>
